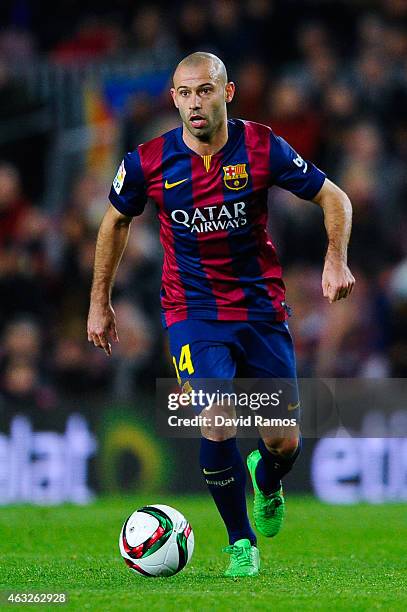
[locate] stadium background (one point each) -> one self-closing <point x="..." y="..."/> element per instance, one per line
<point x="81" y="86"/>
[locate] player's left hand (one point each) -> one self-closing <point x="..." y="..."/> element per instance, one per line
<point x="337" y="280"/>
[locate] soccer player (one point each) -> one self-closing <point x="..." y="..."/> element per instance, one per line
<point x="222" y="294"/>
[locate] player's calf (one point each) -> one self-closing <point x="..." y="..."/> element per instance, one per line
<point x="278" y="456"/>
<point x="224" y="473"/>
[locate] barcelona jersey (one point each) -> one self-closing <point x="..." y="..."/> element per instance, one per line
<point x="219" y="261"/>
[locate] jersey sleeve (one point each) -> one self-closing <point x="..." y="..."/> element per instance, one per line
<point x="128" y="192"/>
<point x="291" y="172"/>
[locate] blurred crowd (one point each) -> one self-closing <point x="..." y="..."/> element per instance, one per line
<point x="330" y="77"/>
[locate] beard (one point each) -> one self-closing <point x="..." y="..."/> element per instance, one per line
<point x="203" y="133"/>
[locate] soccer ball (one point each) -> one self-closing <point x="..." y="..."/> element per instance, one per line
<point x="156" y="541"/>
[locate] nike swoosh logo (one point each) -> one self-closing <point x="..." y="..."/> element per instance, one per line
<point x="168" y="185"/>
<point x="217" y="471"/>
<point x="293" y="406"/>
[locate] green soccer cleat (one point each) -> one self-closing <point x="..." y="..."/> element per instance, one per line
<point x="269" y="510"/>
<point x="244" y="559"/>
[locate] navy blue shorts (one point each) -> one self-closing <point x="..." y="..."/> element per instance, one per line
<point x="203" y="349"/>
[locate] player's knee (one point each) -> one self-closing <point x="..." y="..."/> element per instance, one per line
<point x="217" y="434"/>
<point x="217" y="424"/>
<point x="281" y="446"/>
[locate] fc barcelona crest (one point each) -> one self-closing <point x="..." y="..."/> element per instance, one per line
<point x="235" y="177"/>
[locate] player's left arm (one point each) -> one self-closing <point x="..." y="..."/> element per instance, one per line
<point x="337" y="279"/>
<point x="290" y="171"/>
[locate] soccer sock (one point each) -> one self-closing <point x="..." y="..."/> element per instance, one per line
<point x="272" y="467"/>
<point x="225" y="475"/>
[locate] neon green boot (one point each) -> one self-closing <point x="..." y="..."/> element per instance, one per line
<point x="269" y="510"/>
<point x="244" y="559"/>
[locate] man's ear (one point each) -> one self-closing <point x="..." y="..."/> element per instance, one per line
<point x="229" y="91"/>
<point x="172" y="92"/>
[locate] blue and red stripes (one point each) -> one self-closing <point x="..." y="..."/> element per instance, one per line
<point x="257" y="141"/>
<point x="215" y="253"/>
<point x="172" y="290"/>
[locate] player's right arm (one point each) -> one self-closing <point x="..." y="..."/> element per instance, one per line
<point x="111" y="242"/>
<point x="128" y="197"/>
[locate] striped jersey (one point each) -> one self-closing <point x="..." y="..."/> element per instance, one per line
<point x="219" y="261"/>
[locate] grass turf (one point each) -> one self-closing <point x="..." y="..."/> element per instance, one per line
<point x="326" y="557"/>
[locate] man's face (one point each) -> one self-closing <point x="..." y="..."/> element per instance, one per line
<point x="200" y="94"/>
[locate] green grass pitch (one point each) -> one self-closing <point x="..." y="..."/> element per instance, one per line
<point x="326" y="557"/>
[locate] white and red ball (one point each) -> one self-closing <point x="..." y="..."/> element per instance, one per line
<point x="156" y="540"/>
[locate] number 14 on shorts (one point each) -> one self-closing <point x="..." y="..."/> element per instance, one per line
<point x="184" y="363"/>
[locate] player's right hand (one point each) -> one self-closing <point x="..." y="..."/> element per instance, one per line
<point x="102" y="327"/>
